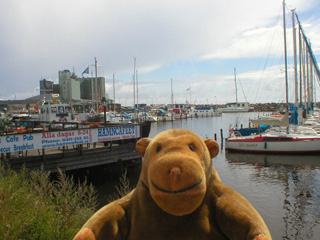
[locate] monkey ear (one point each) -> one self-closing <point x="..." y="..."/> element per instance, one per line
<point x="142" y="145"/>
<point x="212" y="146"/>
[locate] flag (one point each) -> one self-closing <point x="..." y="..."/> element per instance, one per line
<point x="188" y="89"/>
<point x="86" y="71"/>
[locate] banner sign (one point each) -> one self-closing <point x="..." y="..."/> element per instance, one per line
<point x="30" y="141"/>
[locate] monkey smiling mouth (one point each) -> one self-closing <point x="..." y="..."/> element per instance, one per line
<point x="178" y="191"/>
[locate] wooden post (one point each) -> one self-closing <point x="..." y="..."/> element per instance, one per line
<point x="81" y="149"/>
<point x="221" y="133"/>
<point x="64" y="151"/>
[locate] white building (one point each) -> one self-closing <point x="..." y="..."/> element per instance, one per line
<point x="69" y="86"/>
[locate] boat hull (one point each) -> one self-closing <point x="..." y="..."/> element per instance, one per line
<point x="296" y="146"/>
<point x="233" y="110"/>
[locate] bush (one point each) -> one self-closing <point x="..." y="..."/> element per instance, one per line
<point x="34" y="207"/>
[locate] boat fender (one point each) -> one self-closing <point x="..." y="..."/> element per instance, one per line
<point x="265" y="145"/>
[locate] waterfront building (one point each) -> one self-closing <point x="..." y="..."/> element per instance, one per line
<point x="88" y="90"/>
<point x="69" y="86"/>
<point x="47" y="86"/>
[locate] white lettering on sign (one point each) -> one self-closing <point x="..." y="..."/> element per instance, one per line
<point x="20" y="142"/>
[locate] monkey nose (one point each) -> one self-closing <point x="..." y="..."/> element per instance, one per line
<point x="174" y="171"/>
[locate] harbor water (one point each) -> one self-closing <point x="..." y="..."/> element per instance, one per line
<point x="285" y="189"/>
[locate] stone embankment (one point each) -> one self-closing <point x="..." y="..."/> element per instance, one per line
<point x="273" y="107"/>
<point x="268" y="107"/>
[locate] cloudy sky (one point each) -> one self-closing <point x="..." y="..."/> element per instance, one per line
<point x="197" y="44"/>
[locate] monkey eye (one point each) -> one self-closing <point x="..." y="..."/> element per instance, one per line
<point x="158" y="148"/>
<point x="192" y="148"/>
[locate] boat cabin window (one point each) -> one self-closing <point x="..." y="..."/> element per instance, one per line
<point x="67" y="109"/>
<point x="60" y="109"/>
<point x="43" y="111"/>
<point x="276" y="139"/>
<point x="53" y="109"/>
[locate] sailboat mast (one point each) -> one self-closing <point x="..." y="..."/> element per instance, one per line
<point x="295" y="59"/>
<point x="137" y="82"/>
<point x="305" y="76"/>
<point x="134" y="83"/>
<point x="300" y="65"/>
<point x="296" y="96"/>
<point x="285" y="53"/>
<point x="96" y="83"/>
<point x="307" y="80"/>
<point x="92" y="90"/>
<point x="235" y="83"/>
<point x="114" y="96"/>
<point x="171" y="95"/>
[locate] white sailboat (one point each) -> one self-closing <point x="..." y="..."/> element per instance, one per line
<point x="235" y="106"/>
<point x="280" y="139"/>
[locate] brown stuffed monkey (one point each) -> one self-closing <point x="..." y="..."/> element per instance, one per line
<point x="179" y="196"/>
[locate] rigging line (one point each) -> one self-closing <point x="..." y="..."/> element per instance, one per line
<point x="273" y="34"/>
<point x="314" y="61"/>
<point x="269" y="50"/>
<point x="242" y="89"/>
<point x="240" y="116"/>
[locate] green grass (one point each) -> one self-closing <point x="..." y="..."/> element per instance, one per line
<point x="32" y="206"/>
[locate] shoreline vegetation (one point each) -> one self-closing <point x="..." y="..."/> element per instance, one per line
<point x="34" y="206"/>
<point x="37" y="205"/>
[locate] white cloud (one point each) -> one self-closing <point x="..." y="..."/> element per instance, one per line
<point x="39" y="38"/>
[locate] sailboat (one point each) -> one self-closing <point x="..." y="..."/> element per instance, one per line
<point x="282" y="139"/>
<point x="235" y="106"/>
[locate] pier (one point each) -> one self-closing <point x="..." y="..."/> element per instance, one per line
<point x="74" y="157"/>
<point x="73" y="149"/>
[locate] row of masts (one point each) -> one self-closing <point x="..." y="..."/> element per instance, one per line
<point x="96" y="98"/>
<point x="307" y="66"/>
<point x="94" y="87"/>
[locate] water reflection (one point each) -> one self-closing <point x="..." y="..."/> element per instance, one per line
<point x="276" y="185"/>
<point x="274" y="159"/>
<point x="298" y="177"/>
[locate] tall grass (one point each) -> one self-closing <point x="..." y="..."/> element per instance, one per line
<point x="123" y="188"/>
<point x="32" y="206"/>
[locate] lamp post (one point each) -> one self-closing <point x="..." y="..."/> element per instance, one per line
<point x="104" y="103"/>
